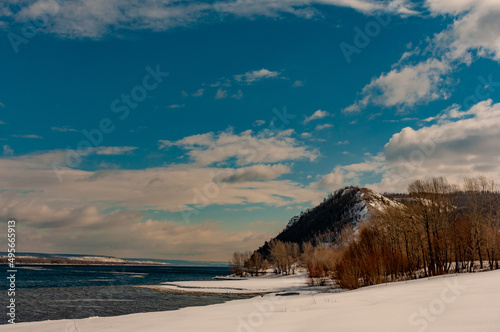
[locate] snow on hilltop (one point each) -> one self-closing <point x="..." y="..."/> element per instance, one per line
<point x="322" y="224"/>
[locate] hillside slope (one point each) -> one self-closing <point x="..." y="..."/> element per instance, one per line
<point x="324" y="223"/>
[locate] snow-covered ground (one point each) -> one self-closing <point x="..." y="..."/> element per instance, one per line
<point x="467" y="302"/>
<point x="263" y="284"/>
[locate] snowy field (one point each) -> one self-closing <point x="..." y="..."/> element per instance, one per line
<point x="467" y="302"/>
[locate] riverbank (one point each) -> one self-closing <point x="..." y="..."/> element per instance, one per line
<point x="464" y="302"/>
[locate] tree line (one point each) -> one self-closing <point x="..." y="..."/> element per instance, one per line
<point x="283" y="258"/>
<point x="440" y="228"/>
<point x="436" y="228"/>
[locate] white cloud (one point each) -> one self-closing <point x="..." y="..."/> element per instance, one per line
<point x="323" y="126"/>
<point x="454" y="144"/>
<point x="171" y="188"/>
<point x="27" y="136"/>
<point x="256" y="173"/>
<point x="176" y="106"/>
<point x="123" y="234"/>
<point x="256" y="75"/>
<point x="246" y="148"/>
<point x="96" y="19"/>
<point x="237" y="95"/>
<point x="198" y="93"/>
<point x="405" y="87"/>
<point x="63" y="129"/>
<point x="339" y="178"/>
<point x="259" y="123"/>
<point x="319" y="114"/>
<point x="221" y="94"/>
<point x="472" y="35"/>
<point x="114" y="150"/>
<point x="475" y="30"/>
<point x="297" y="84"/>
<point x="69" y="215"/>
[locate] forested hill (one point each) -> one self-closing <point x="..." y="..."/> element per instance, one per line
<point x="325" y="222"/>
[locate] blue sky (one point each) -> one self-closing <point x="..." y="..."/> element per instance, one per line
<point x="189" y="130"/>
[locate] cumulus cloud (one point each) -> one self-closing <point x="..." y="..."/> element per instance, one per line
<point x="350" y="174"/>
<point x="198" y="93"/>
<point x="319" y="114"/>
<point x="70" y="214"/>
<point x="221" y="94"/>
<point x="256" y="75"/>
<point x="238" y="95"/>
<point x="245" y="148"/>
<point x="472" y="35"/>
<point x="256" y="173"/>
<point x="323" y="126"/>
<point x="453" y="144"/>
<point x="122" y="233"/>
<point x="473" y="31"/>
<point x="333" y="180"/>
<point x="163" y="188"/>
<point x="406" y="86"/>
<point x="96" y="19"/>
<point x="338" y="178"/>
<point x="460" y="145"/>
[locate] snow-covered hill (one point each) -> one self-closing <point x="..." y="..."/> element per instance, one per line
<point x="323" y="224"/>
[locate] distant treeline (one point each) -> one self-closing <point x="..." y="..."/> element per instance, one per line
<point x="59" y="261"/>
<point x="436" y="228"/>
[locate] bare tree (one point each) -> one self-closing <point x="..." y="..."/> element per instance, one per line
<point x="237" y="263"/>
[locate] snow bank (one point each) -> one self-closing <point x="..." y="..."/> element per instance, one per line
<point x="264" y="284"/>
<point x="467" y="302"/>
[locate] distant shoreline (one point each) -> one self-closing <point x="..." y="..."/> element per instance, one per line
<point x="54" y="261"/>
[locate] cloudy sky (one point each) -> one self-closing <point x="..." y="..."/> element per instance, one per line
<point x="187" y="129"/>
